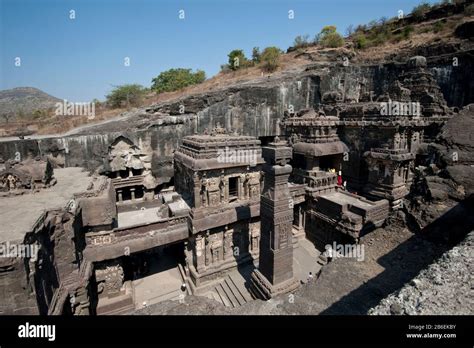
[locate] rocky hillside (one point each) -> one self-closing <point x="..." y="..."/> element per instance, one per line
<point x="441" y="34"/>
<point x="444" y="288"/>
<point x="23" y="101"/>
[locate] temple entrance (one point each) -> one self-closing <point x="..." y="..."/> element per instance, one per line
<point x="233" y="188"/>
<point x="131" y="194"/>
<point x="156" y="275"/>
<point x="330" y="162"/>
<point x="298" y="222"/>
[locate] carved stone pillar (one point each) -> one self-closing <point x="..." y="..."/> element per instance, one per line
<point x="207" y="255"/>
<point x="300" y="217"/>
<point x="228" y="252"/>
<point x="199" y="252"/>
<point x="226" y="190"/>
<point x="120" y="195"/>
<point x="240" y="188"/>
<point x="197" y="191"/>
<point x="80" y="303"/>
<point x="275" y="271"/>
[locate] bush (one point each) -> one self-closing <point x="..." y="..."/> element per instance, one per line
<point x="361" y="28"/>
<point x="8" y="117"/>
<point x="97" y="103"/>
<point x="419" y="11"/>
<point x="372" y="24"/>
<point x="379" y="34"/>
<point x="438" y="26"/>
<point x="360" y="41"/>
<point x="225" y="68"/>
<point x="38" y="114"/>
<point x="271" y="58"/>
<point x="469" y="10"/>
<point x="329" y="37"/>
<point x="175" y="79"/>
<point x="237" y="60"/>
<point x="126" y="95"/>
<point x="301" y="41"/>
<point x="350" y="30"/>
<point x="406" y="32"/>
<point x="256" y="55"/>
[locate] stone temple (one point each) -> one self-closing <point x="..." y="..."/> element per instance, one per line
<point x="220" y="213"/>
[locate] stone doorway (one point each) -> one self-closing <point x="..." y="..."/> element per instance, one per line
<point x="157" y="275"/>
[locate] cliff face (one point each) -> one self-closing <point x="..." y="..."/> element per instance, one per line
<point x="251" y="108"/>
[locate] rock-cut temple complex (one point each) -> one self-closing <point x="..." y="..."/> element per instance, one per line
<point x="241" y="217"/>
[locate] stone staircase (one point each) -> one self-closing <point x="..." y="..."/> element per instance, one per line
<point x="231" y="292"/>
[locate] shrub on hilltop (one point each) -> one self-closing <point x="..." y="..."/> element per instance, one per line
<point x="329" y="37"/>
<point x="176" y="79"/>
<point x="126" y="96"/>
<point x="271" y="58"/>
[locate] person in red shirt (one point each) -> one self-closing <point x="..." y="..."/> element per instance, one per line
<point x="339" y="179"/>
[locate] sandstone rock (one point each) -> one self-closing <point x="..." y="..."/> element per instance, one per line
<point x="417" y="61"/>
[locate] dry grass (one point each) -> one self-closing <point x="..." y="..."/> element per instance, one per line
<point x="62" y="124"/>
<point x="422" y="36"/>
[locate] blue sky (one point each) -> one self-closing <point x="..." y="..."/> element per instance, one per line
<point x="82" y="59"/>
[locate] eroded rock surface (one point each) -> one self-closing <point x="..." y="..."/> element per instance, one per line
<point x="444" y="288"/>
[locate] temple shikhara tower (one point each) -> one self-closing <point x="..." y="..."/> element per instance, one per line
<point x="275" y="271"/>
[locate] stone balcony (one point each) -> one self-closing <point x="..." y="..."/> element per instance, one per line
<point x="317" y="182"/>
<point x="106" y="245"/>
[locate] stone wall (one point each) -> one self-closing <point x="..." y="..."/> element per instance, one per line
<point x="210" y="254"/>
<point x="16" y="288"/>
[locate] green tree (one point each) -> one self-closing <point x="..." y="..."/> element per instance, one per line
<point x="126" y="95"/>
<point x="360" y="41"/>
<point x="97" y="103"/>
<point x="8" y="117"/>
<point x="301" y="41"/>
<point x="256" y="55"/>
<point x="419" y="11"/>
<point x="175" y="79"/>
<point x="237" y="60"/>
<point x="329" y="37"/>
<point x="271" y="58"/>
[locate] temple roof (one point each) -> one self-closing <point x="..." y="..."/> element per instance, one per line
<point x="219" y="150"/>
<point x="321" y="149"/>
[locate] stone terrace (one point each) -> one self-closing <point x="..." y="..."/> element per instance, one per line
<point x="19" y="213"/>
